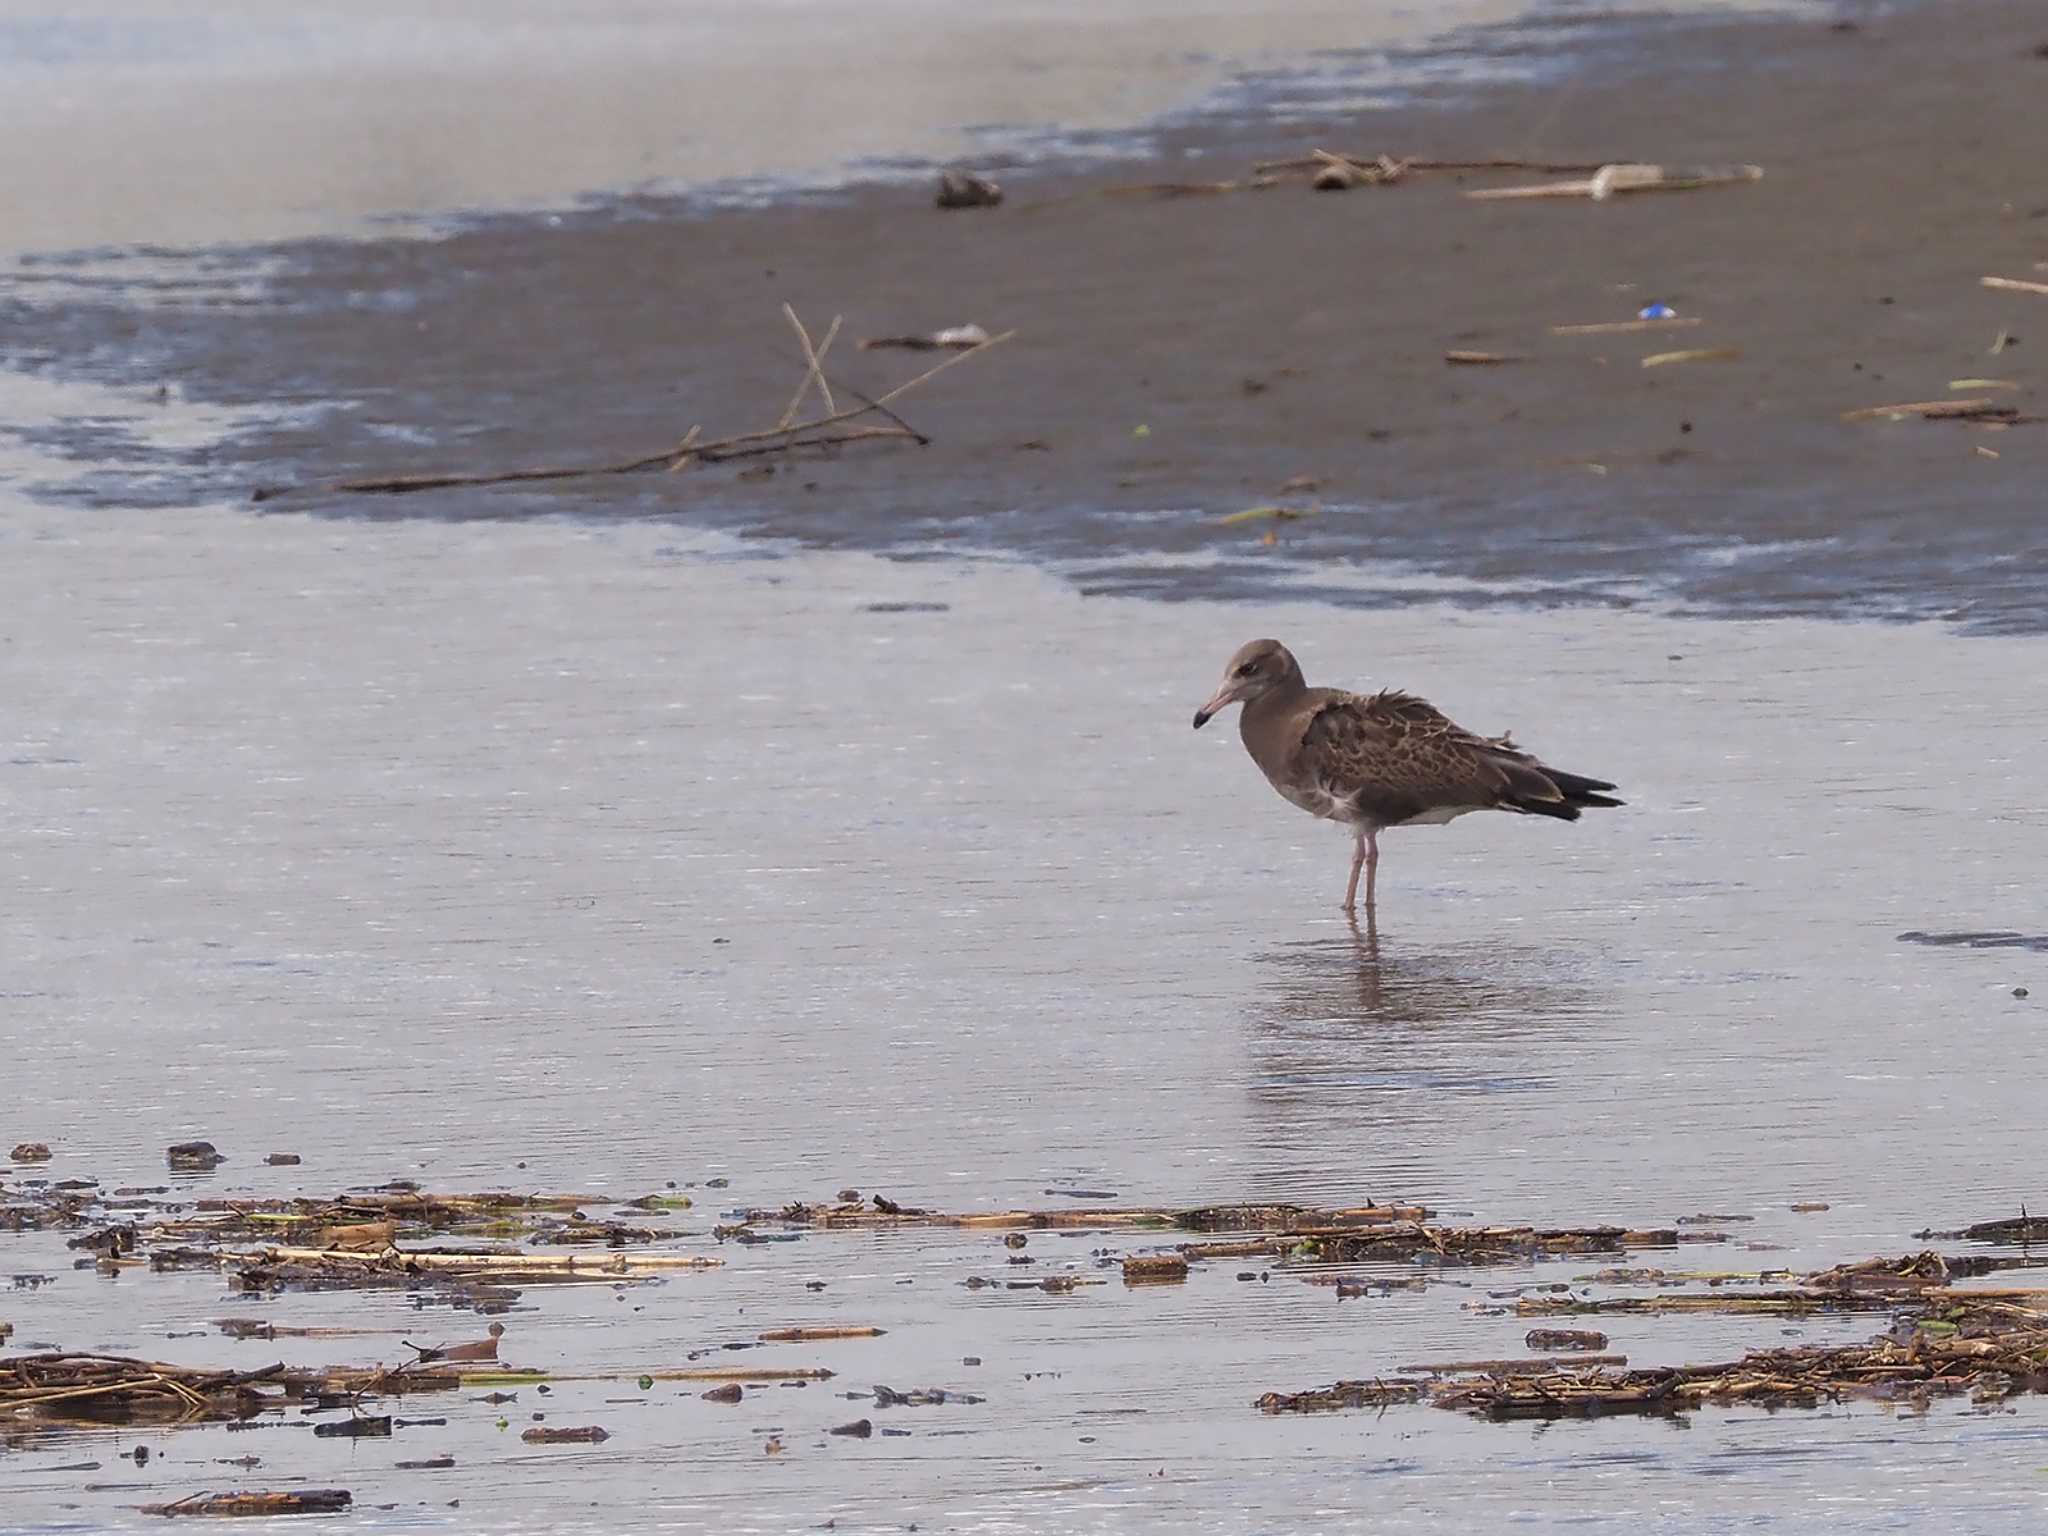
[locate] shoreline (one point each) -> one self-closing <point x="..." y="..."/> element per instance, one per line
<point x="236" y="123"/>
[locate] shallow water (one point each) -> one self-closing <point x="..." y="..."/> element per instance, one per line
<point x="182" y="123"/>
<point x="591" y="855"/>
<point x="411" y="847"/>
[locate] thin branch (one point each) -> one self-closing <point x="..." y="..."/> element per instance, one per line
<point x="813" y="360"/>
<point x="684" y="451"/>
<point x="1317" y="161"/>
<point x="938" y="368"/>
<point x="822" y="432"/>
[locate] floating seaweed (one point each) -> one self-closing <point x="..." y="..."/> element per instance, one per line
<point x="1946" y="1343"/>
<point x="1473" y="1245"/>
<point x="883" y="1213"/>
<point x="300" y="1501"/>
<point x="86" y="1390"/>
<point x="1378" y="1393"/>
<point x="1410" y="1241"/>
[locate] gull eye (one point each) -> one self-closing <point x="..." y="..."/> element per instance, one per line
<point x="1248" y="669"/>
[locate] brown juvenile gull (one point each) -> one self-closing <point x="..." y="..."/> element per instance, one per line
<point x="1380" y="760"/>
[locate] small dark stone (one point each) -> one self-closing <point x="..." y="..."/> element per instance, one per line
<point x="1565" y="1338"/>
<point x="378" y="1428"/>
<point x="587" y="1434"/>
<point x="730" y="1393"/>
<point x="859" y="1429"/>
<point x="1016" y="1240"/>
<point x="114" y="1242"/>
<point x="959" y="189"/>
<point x="283" y="1160"/>
<point x="970" y="1359"/>
<point x="717" y="1183"/>
<point x="31" y="1152"/>
<point x="193" y="1155"/>
<point x="2019" y="991"/>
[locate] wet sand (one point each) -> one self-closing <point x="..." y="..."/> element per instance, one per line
<point x="1184" y="359"/>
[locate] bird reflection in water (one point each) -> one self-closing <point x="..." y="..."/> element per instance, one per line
<point x="1372" y="1066"/>
<point x="1352" y="1013"/>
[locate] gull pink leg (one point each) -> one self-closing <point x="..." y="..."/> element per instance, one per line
<point x="1351" y="890"/>
<point x="1371" y="849"/>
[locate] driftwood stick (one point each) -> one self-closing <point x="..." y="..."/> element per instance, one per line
<point x="297" y="1501"/>
<point x="1975" y="405"/>
<point x="342" y="1259"/>
<point x="400" y="485"/>
<point x="882" y="410"/>
<point x="823" y="440"/>
<point x="935" y="370"/>
<point x="1623" y="327"/>
<point x="720" y="448"/>
<point x="684" y="451"/>
<point x="818" y="359"/>
<point x="1627" y="177"/>
<point x="745" y="446"/>
<point x="813" y="359"/>
<point x="1544" y="167"/>
<point x="789" y="435"/>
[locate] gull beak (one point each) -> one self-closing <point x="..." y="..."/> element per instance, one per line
<point x="1227" y="694"/>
